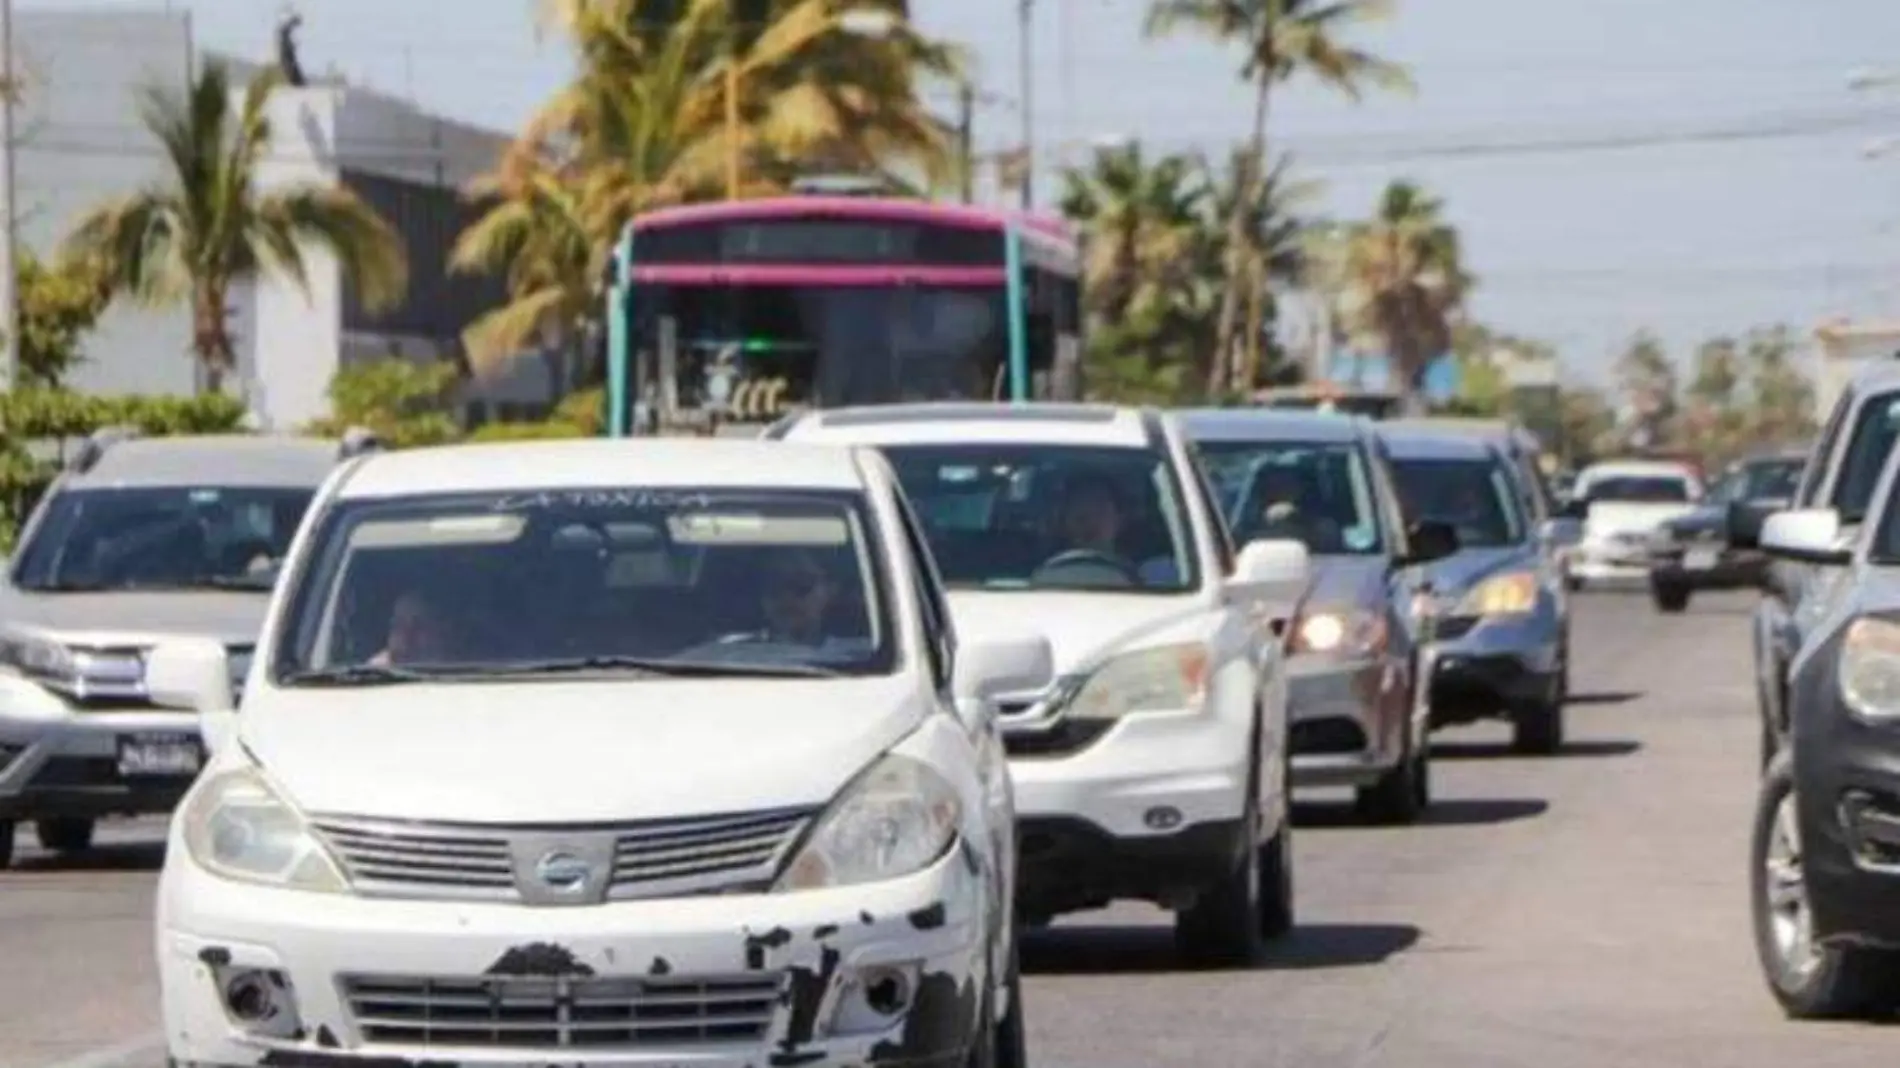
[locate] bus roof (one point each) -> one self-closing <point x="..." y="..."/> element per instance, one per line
<point x="889" y="209"/>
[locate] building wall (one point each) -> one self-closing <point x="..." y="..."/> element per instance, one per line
<point x="82" y="143"/>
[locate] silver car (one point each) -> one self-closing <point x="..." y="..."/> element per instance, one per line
<point x="1499" y="614"/>
<point x="1352" y="649"/>
<point x="136" y="542"/>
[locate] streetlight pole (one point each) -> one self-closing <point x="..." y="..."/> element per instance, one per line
<point x="9" y="261"/>
<point x="1025" y="53"/>
<point x="966" y="141"/>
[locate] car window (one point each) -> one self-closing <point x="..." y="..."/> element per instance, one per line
<point x="1475" y="496"/>
<point x="1875" y="429"/>
<point x="1203" y="489"/>
<point x="1639" y="489"/>
<point x="1814" y="472"/>
<point x="1023" y="517"/>
<point x="475" y="584"/>
<point x="929" y="587"/>
<point x="161" y="538"/>
<point x="1771" y="480"/>
<point x="1317" y="493"/>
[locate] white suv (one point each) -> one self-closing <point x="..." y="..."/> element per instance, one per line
<point x="599" y="753"/>
<point x="1155" y="768"/>
<point x="136" y="542"/>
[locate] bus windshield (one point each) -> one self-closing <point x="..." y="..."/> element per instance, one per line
<point x="828" y="345"/>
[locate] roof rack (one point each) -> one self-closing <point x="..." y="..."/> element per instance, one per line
<point x="359" y="441"/>
<point x="95" y="446"/>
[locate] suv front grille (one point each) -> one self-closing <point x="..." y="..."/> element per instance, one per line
<point x="655" y="858"/>
<point x="561" y="1014"/>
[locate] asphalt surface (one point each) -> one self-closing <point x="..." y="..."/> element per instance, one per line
<point x="1584" y="910"/>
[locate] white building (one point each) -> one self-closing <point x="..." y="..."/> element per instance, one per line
<point x="80" y="142"/>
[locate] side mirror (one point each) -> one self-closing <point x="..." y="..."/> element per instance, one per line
<point x="1810" y="535"/>
<point x="1275" y="570"/>
<point x="194" y="675"/>
<point x="1430" y="540"/>
<point x="988" y="669"/>
<point x="1561" y="532"/>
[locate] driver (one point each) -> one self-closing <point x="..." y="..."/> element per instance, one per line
<point x="1091" y="517"/>
<point x="1285" y="504"/>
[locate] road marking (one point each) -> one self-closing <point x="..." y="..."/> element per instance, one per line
<point x="147" y="1051"/>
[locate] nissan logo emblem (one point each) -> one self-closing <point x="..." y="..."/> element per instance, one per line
<point x="563" y="872"/>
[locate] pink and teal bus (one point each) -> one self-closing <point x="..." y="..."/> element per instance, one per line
<point x="738" y="313"/>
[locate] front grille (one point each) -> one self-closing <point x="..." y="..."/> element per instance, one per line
<point x="1066" y="738"/>
<point x="1452" y="628"/>
<point x="650" y="859"/>
<point x="1326" y="737"/>
<point x="595" y="1013"/>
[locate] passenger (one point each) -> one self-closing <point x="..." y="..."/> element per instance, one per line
<point x="797" y="596"/>
<point x="421" y="631"/>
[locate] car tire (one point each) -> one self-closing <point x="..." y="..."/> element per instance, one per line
<point x="1222" y="927"/>
<point x="65" y="835"/>
<point x="1394" y="799"/>
<point x="1670" y="597"/>
<point x="1809" y="982"/>
<point x="1537" y="727"/>
<point x="1276" y="910"/>
<point x="1573" y="584"/>
<point x="1012" y="1036"/>
<point x="6" y="844"/>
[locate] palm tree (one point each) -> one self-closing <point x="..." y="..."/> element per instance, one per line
<point x="208" y="227"/>
<point x="536" y="235"/>
<point x="1281" y="38"/>
<point x="1272" y="255"/>
<point x="1403" y="279"/>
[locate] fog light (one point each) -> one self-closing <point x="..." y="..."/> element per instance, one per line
<point x="1162" y="817"/>
<point x="875" y="999"/>
<point x="259" y="1000"/>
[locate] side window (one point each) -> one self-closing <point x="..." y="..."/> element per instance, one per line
<point x="929" y="587"/>
<point x="1210" y="506"/>
<point x="1817" y="463"/>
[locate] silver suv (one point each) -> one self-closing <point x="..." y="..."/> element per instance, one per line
<point x="137" y="541"/>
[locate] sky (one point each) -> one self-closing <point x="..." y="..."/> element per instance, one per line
<point x="1689" y="167"/>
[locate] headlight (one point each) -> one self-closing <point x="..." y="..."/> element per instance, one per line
<point x="73" y="670"/>
<point x="1870" y="669"/>
<point x="1167" y="678"/>
<point x="1352" y="631"/>
<point x="238" y="827"/>
<point x="894" y="820"/>
<point x="1501" y="595"/>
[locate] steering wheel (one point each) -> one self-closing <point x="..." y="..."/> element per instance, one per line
<point x="1079" y="558"/>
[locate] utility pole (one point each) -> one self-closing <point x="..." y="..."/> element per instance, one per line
<point x="966" y="141"/>
<point x="1025" y="56"/>
<point x="9" y="262"/>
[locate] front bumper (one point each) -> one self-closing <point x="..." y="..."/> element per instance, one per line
<point x="61" y="760"/>
<point x="1730" y="568"/>
<point x="718" y="981"/>
<point x="1484" y="668"/>
<point x="1348" y="719"/>
<point x="1609" y="559"/>
<point x="1134" y="786"/>
<point x="1847" y="782"/>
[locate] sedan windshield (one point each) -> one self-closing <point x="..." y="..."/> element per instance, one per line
<point x="1021" y="517"/>
<point x="1771" y="480"/>
<point x="647" y="581"/>
<point x="1316" y="493"/>
<point x="1474" y="496"/>
<point x="161" y="538"/>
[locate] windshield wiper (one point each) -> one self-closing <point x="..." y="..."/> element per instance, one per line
<point x="359" y="675"/>
<point x="653" y="666"/>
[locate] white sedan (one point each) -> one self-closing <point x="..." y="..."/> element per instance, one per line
<point x="1155" y="768"/>
<point x="598" y="753"/>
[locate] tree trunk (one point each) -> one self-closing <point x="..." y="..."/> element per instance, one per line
<point x="211" y="334"/>
<point x="1221" y="371"/>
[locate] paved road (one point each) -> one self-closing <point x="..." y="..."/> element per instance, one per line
<point x="1588" y="910"/>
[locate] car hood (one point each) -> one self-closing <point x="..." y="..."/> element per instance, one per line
<point x="1632" y="517"/>
<point x="1467" y="567"/>
<point x="137" y="618"/>
<point x="1348" y="581"/>
<point x="575" y="751"/>
<point x="1081" y="627"/>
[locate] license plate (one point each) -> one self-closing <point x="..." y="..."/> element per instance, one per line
<point x="1700" y="559"/>
<point x="163" y="755"/>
